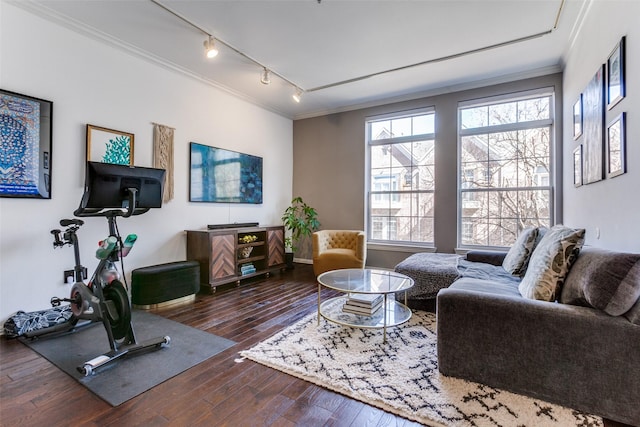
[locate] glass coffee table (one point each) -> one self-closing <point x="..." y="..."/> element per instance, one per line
<point x="365" y="283"/>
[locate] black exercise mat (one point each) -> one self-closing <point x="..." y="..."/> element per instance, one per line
<point x="127" y="377"/>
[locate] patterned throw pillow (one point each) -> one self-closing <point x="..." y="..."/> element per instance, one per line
<point x="518" y="256"/>
<point x="550" y="263"/>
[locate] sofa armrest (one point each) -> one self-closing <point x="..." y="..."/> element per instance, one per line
<point x="574" y="356"/>
<point x="488" y="257"/>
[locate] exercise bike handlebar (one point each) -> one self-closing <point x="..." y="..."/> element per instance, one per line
<point x="57" y="242"/>
<point x="68" y="238"/>
<point x="125" y="212"/>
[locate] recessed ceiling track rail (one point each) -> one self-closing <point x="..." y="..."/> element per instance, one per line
<point x="300" y="90"/>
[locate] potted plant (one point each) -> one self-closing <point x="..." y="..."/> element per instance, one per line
<point x="301" y="220"/>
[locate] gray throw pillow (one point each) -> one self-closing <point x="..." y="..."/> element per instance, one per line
<point x="606" y="280"/>
<point x="550" y="263"/>
<point x="518" y="256"/>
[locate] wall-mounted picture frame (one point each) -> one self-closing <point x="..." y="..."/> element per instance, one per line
<point x="615" y="75"/>
<point x="109" y="146"/>
<point x="616" y="152"/>
<point x="26" y="127"/>
<point x="577" y="118"/>
<point x="577" y="166"/>
<point x="593" y="132"/>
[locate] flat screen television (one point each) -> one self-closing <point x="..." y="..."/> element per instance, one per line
<point x="223" y="176"/>
<point x="130" y="189"/>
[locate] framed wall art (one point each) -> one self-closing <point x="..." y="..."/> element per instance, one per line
<point x="25" y="146"/>
<point x="616" y="155"/>
<point x="577" y="118"/>
<point x="109" y="146"/>
<point x="592" y="132"/>
<point x="615" y="75"/>
<point x="577" y="166"/>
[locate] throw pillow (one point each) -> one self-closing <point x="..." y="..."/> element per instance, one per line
<point x="550" y="263"/>
<point x="518" y="256"/>
<point x="606" y="280"/>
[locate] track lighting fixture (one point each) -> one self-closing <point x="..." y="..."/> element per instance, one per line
<point x="264" y="78"/>
<point x="298" y="95"/>
<point x="210" y="47"/>
<point x="211" y="50"/>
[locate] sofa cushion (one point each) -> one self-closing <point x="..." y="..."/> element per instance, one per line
<point x="606" y="280"/>
<point x="634" y="314"/>
<point x="487" y="257"/>
<point x="550" y="263"/>
<point x="518" y="256"/>
<point x="485" y="271"/>
<point x="509" y="289"/>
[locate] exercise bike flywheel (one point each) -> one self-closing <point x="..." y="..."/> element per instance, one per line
<point x="118" y="309"/>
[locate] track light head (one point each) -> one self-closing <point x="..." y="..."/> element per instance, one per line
<point x="264" y="77"/>
<point x="210" y="47"/>
<point x="298" y="95"/>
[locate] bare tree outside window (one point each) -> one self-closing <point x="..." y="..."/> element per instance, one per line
<point x="401" y="179"/>
<point x="505" y="170"/>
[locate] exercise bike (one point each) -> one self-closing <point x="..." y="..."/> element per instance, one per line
<point x="104" y="298"/>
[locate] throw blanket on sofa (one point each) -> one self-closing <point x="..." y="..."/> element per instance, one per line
<point x="481" y="270"/>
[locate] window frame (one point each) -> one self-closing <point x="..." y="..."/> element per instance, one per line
<point x="394" y="245"/>
<point x="549" y="123"/>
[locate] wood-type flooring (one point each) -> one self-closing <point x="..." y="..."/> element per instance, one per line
<point x="217" y="392"/>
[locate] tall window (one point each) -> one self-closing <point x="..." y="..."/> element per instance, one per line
<point x="401" y="178"/>
<point x="506" y="176"/>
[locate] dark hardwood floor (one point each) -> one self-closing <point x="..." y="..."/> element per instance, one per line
<point x="217" y="392"/>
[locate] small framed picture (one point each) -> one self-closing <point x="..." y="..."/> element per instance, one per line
<point x="577" y="166"/>
<point x="616" y="156"/>
<point x="109" y="146"/>
<point x="577" y="118"/>
<point x="615" y="75"/>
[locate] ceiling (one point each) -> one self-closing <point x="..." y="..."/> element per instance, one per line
<point x="458" y="43"/>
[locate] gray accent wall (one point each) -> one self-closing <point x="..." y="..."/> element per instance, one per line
<point x="329" y="164"/>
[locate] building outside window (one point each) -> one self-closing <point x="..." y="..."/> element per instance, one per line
<point x="506" y="176"/>
<point x="401" y="179"/>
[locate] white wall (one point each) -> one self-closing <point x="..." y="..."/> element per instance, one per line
<point x="611" y="205"/>
<point x="92" y="82"/>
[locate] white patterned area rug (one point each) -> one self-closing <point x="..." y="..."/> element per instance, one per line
<point x="402" y="375"/>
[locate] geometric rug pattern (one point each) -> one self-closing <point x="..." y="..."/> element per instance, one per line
<point x="401" y="376"/>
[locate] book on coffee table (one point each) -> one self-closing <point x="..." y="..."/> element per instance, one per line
<point x="364" y="300"/>
<point x="363" y="304"/>
<point x="363" y="311"/>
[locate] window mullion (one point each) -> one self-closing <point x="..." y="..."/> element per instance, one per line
<point x="506" y="127"/>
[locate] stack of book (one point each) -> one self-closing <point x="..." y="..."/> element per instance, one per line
<point x="247" y="268"/>
<point x="363" y="304"/>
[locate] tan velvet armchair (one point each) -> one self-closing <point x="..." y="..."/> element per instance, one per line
<point x="337" y="249"/>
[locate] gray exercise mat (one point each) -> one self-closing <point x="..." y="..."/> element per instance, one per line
<point x="129" y="376"/>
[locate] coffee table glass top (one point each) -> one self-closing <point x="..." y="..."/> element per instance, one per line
<point x="365" y="281"/>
